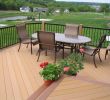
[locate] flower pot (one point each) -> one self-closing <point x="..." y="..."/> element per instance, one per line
<point x="48" y="82"/>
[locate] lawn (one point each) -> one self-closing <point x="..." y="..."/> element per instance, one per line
<point x="87" y="19"/>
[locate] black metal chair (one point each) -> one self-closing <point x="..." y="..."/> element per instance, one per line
<point x="23" y="36"/>
<point x="92" y="51"/>
<point x="108" y="49"/>
<point x="47" y="42"/>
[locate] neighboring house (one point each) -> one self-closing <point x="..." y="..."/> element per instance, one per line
<point x="37" y="9"/>
<point x="57" y="11"/>
<point x="66" y="11"/>
<point x="97" y="7"/>
<point x="25" y="9"/>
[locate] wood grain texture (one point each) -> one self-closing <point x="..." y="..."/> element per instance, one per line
<point x="19" y="76"/>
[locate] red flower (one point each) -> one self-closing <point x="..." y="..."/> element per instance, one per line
<point x="66" y="69"/>
<point x="81" y="50"/>
<point x="42" y="65"/>
<point x="45" y="63"/>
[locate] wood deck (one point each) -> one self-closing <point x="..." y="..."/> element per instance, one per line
<point x="19" y="75"/>
<point x="77" y="89"/>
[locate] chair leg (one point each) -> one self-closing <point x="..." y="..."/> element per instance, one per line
<point x="45" y="52"/>
<point x="63" y="51"/>
<point x="94" y="61"/>
<point x="55" y="57"/>
<point x="106" y="53"/>
<point x="31" y="48"/>
<point x="38" y="55"/>
<point x="99" y="56"/>
<point x="37" y="52"/>
<point x="19" y="46"/>
<point x="27" y="45"/>
<point x="71" y="49"/>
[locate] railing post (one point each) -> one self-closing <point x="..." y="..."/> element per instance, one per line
<point x="80" y="29"/>
<point x="43" y="26"/>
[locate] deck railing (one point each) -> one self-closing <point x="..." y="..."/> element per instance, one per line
<point x="57" y="28"/>
<point x="95" y="34"/>
<point x="9" y="36"/>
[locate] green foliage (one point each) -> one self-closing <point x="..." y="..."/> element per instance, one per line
<point x="105" y="8"/>
<point x="74" y="62"/>
<point x="51" y="72"/>
<point x="54" y="71"/>
<point x="87" y="19"/>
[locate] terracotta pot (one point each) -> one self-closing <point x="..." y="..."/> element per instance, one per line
<point x="48" y="82"/>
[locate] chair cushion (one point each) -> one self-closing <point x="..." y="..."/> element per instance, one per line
<point x="26" y="41"/>
<point x="29" y="41"/>
<point x="89" y="50"/>
<point x="108" y="48"/>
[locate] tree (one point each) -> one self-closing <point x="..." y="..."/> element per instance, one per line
<point x="73" y="9"/>
<point x="105" y="8"/>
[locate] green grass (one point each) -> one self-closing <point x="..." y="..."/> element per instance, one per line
<point x="4" y="14"/>
<point x="87" y="19"/>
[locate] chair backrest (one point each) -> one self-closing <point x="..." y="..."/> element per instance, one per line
<point x="71" y="30"/>
<point x="21" y="29"/>
<point x="46" y="40"/>
<point x="101" y="41"/>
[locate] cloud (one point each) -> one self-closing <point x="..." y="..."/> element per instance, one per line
<point x="98" y="1"/>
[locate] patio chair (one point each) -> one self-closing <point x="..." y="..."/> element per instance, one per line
<point x="108" y="49"/>
<point x="92" y="51"/>
<point x="47" y="43"/>
<point x="71" y="31"/>
<point x="23" y="36"/>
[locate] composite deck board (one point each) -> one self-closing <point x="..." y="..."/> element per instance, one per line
<point x="87" y="91"/>
<point x="19" y="76"/>
<point x="8" y="83"/>
<point x="14" y="81"/>
<point x="3" y="94"/>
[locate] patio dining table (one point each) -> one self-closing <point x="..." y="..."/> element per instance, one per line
<point x="62" y="38"/>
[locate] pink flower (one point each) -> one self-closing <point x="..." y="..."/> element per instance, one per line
<point x="66" y="69"/>
<point x="81" y="50"/>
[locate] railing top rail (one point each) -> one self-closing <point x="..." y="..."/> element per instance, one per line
<point x="96" y="28"/>
<point x="7" y="27"/>
<point x="58" y="24"/>
<point x="15" y="25"/>
<point x="33" y="22"/>
<point x="54" y="24"/>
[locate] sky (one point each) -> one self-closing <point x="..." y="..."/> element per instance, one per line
<point x="98" y="1"/>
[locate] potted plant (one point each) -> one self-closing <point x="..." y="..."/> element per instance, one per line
<point x="50" y="72"/>
<point x="72" y="64"/>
